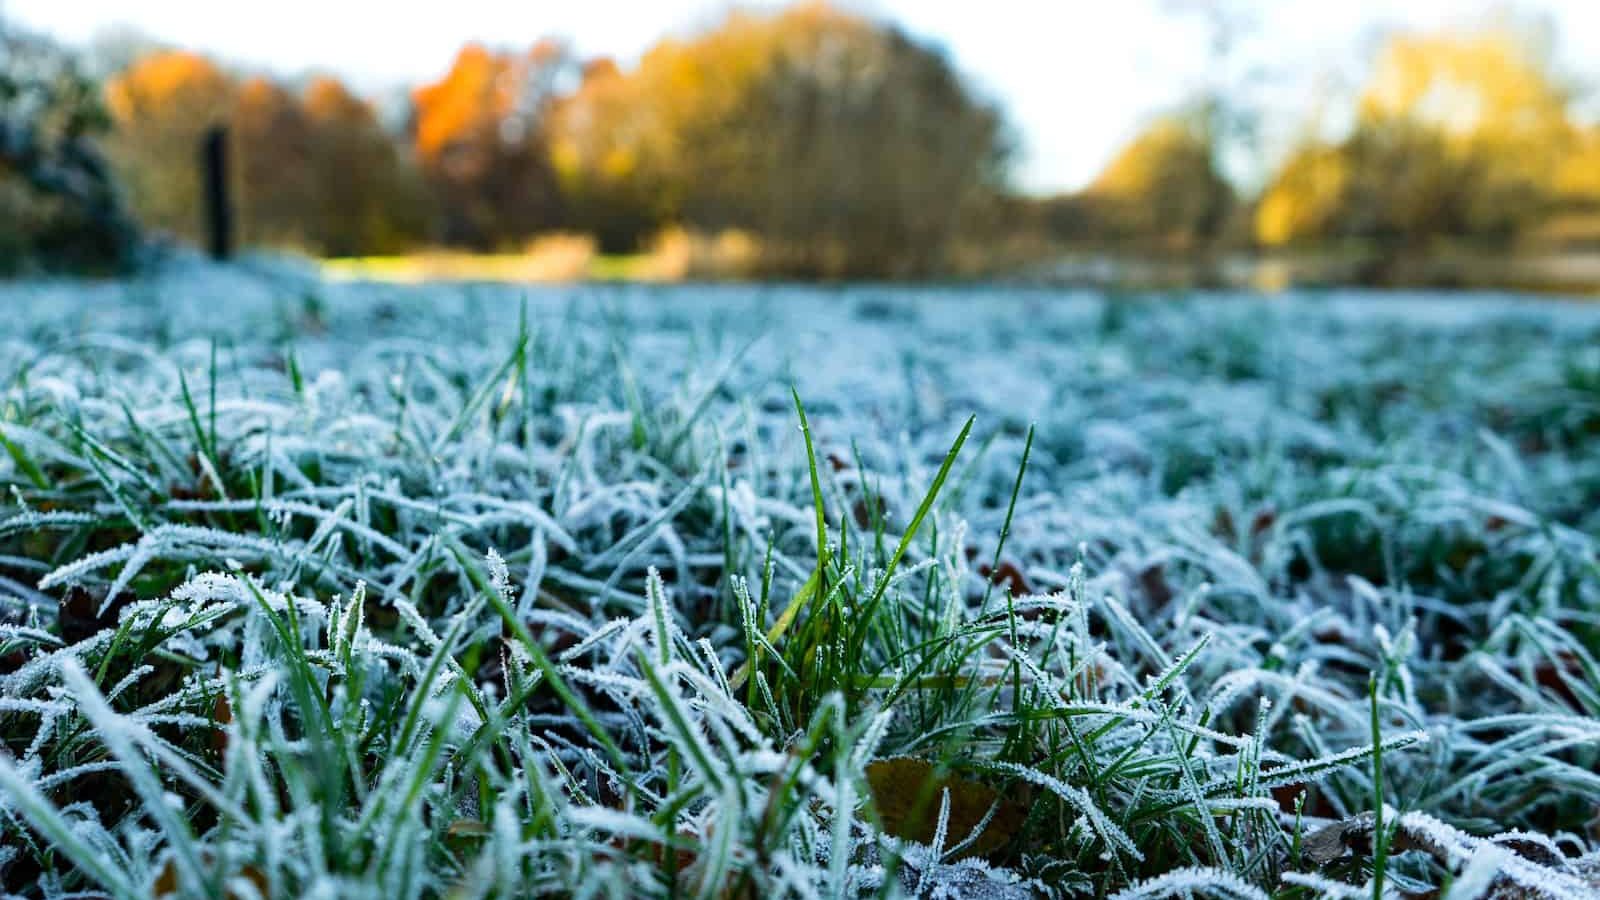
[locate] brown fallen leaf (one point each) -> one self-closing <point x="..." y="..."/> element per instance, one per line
<point x="1008" y="575"/>
<point x="222" y="716"/>
<point x="166" y="883"/>
<point x="897" y="784"/>
<point x="1154" y="582"/>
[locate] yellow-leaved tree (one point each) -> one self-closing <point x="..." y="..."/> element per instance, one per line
<point x="1457" y="134"/>
<point x="847" y="147"/>
<point x="1163" y="191"/>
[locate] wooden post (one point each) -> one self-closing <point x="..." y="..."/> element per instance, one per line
<point x="219" y="209"/>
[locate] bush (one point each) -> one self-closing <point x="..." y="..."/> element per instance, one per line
<point x="59" y="206"/>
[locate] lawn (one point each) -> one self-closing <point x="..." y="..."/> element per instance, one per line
<point x="320" y="589"/>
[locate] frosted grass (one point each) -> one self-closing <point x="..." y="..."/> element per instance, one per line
<point x="346" y="590"/>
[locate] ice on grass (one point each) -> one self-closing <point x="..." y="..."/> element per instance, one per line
<point x="278" y="662"/>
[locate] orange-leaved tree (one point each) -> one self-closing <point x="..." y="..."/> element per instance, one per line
<point x="481" y="138"/>
<point x="162" y="106"/>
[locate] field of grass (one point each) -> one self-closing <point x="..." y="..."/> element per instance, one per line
<point x="347" y="590"/>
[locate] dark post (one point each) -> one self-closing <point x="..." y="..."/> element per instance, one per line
<point x="219" y="211"/>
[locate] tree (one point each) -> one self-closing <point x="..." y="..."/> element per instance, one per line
<point x="1458" y="135"/>
<point x="1306" y="197"/>
<point x="1498" y="110"/>
<point x="848" y="148"/>
<point x="368" y="199"/>
<point x="162" y="106"/>
<point x="480" y="135"/>
<point x="277" y="183"/>
<point x="1163" y="189"/>
<point x="598" y="149"/>
<point x="877" y="150"/>
<point x="313" y="169"/>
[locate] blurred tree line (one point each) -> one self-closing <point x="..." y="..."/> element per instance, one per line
<point x="840" y="145"/>
<point x="1457" y="136"/>
<point x="314" y="167"/>
<point x="837" y="144"/>
<point x="1464" y="138"/>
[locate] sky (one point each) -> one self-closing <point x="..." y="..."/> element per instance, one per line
<point x="1077" y="78"/>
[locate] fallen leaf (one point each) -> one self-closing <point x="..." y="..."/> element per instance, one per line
<point x="897" y="784"/>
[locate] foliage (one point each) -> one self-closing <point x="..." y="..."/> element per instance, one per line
<point x="1457" y="135"/>
<point x="58" y="207"/>
<point x="314" y="168"/>
<point x="835" y="145"/>
<point x="317" y="170"/>
<point x="1163" y="189"/>
<point x="848" y="148"/>
<point x="366" y="591"/>
<point x="481" y="137"/>
<point x="162" y="108"/>
<point x="602" y="144"/>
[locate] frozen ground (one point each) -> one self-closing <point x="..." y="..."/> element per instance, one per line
<point x="343" y="590"/>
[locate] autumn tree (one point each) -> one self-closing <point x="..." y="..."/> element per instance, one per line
<point x="1456" y="135"/>
<point x="313" y="168"/>
<point x="877" y="154"/>
<point x="1577" y="176"/>
<point x="608" y="161"/>
<point x="273" y="168"/>
<point x="1163" y="190"/>
<point x="481" y="138"/>
<point x="162" y="106"/>
<point x="848" y="148"/>
<point x="368" y="199"/>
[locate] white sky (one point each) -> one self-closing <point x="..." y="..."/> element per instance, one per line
<point x="1076" y="77"/>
